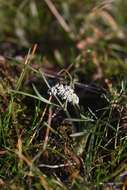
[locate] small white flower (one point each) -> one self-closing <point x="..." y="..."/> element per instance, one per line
<point x="52" y="91"/>
<point x="75" y="99"/>
<point x="64" y="92"/>
<point x="61" y="90"/>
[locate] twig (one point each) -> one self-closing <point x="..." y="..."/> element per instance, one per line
<point x="55" y="166"/>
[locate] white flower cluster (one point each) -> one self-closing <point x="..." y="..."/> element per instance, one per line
<point x="65" y="92"/>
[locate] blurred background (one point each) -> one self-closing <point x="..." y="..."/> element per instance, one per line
<point x="91" y="34"/>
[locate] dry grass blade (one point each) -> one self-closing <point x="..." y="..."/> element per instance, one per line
<point x="11" y="187"/>
<point x="35" y="170"/>
<point x="58" y="16"/>
<point x="41" y="119"/>
<point x="47" y="131"/>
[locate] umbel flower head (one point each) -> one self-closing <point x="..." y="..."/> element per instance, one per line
<point x="64" y="92"/>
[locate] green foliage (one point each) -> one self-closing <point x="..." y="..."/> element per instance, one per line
<point x="48" y="143"/>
